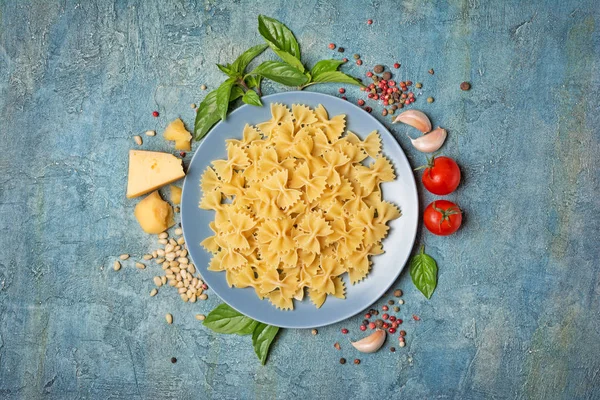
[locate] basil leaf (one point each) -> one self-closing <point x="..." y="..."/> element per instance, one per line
<point x="335" y="76"/>
<point x="206" y="116"/>
<point x="227" y="70"/>
<point x="236" y="93"/>
<point x="281" y="40"/>
<point x="325" y="66"/>
<point x="262" y="337"/>
<point x="252" y="98"/>
<point x="280" y="73"/>
<point x="240" y="64"/>
<point x="423" y="271"/>
<point x="224" y="319"/>
<point x="254" y="81"/>
<point x="223" y="95"/>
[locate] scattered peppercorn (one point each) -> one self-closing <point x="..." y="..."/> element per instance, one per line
<point x="391" y="302"/>
<point x="356" y="56"/>
<point x="385" y="308"/>
<point x="397" y="65"/>
<point x="378" y="69"/>
<point x="393" y="349"/>
<point x="387" y="75"/>
<point x="419" y="85"/>
<point x="402" y="333"/>
<point x="342" y="90"/>
<point x="392" y="318"/>
<point x="430" y="99"/>
<point x="203" y="87"/>
<point x="385" y="316"/>
<point x="358" y="62"/>
<point x="337" y="346"/>
<point x="363" y="328"/>
<point x="314" y="331"/>
<point x="345" y="59"/>
<point x="369" y="22"/>
<point x="182" y="154"/>
<point x="379" y="323"/>
<point x="385" y="325"/>
<point x="400" y="301"/>
<point x="356" y="361"/>
<point x="204" y="286"/>
<point x="372" y="325"/>
<point x="399" y="321"/>
<point x="368" y="109"/>
<point x="396" y="309"/>
<point x="416" y="317"/>
<point x="465" y="86"/>
<point x="341" y="49"/>
<point x="331" y="46"/>
<point x="361" y="102"/>
<point x="431" y="71"/>
<point x="369" y="74"/>
<point x="402" y="344"/>
<point x="392" y="330"/>
<point x="344" y="98"/>
<point x="398" y="293"/>
<point x="384" y="112"/>
<point x="155" y="114"/>
<point x="173" y="360"/>
<point x="342" y="360"/>
<point x="344" y="331"/>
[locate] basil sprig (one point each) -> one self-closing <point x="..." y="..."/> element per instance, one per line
<point x="423" y="272"/>
<point x="290" y="71"/>
<point x="224" y="319"/>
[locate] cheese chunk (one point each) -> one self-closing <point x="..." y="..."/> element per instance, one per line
<point x="176" y="131"/>
<point x="175" y="194"/>
<point x="154" y="214"/>
<point x="149" y="170"/>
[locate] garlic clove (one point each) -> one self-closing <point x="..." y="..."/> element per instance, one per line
<point x="430" y="142"/>
<point x="371" y="343"/>
<point x="416" y="119"/>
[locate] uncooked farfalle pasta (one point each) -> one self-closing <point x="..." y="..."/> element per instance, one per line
<point x="296" y="206"/>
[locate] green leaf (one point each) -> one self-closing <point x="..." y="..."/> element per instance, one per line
<point x="227" y="70"/>
<point x="280" y="73"/>
<point x="262" y="337"/>
<point x="251" y="97"/>
<point x="206" y="116"/>
<point x="325" y="66"/>
<point x="281" y="40"/>
<point x="223" y="95"/>
<point x="335" y="76"/>
<point x="423" y="271"/>
<point x="254" y="81"/>
<point x="224" y="319"/>
<point x="236" y="93"/>
<point x="240" y="64"/>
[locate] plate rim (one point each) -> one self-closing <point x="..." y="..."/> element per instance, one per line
<point x="385" y="287"/>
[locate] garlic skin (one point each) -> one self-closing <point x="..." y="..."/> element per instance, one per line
<point x="430" y="142"/>
<point x="371" y="343"/>
<point x="416" y="119"/>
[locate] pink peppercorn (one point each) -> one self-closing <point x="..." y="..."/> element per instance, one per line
<point x="412" y="99"/>
<point x="399" y="321"/>
<point x="375" y="97"/>
<point x="385" y="103"/>
<point x="342" y="90"/>
<point x="394" y="324"/>
<point x="345" y="59"/>
<point x="331" y="46"/>
<point x="372" y="325"/>
<point x="391" y="83"/>
<point x="344" y="98"/>
<point x="385" y="308"/>
<point x="368" y="109"/>
<point x="363" y="327"/>
<point x="389" y="91"/>
<point x="411" y="94"/>
<point x="358" y="62"/>
<point x="392" y="330"/>
<point x="182" y="154"/>
<point x="369" y="22"/>
<point x="395" y="90"/>
<point x="369" y="74"/>
<point x="383" y="81"/>
<point x="385" y="316"/>
<point x="361" y="102"/>
<point x="385" y="325"/>
<point x="372" y="86"/>
<point x="392" y="318"/>
<point x="407" y="102"/>
<point x="367" y="315"/>
<point x="397" y="65"/>
<point x="370" y="95"/>
<point x="155" y="114"/>
<point x="416" y="317"/>
<point x="401" y="339"/>
<point x="204" y="286"/>
<point x="345" y="331"/>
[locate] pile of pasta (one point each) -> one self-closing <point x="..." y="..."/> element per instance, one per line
<point x="296" y="208"/>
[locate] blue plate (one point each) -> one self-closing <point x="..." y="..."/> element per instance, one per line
<point x="386" y="267"/>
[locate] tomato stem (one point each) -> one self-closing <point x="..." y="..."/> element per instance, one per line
<point x="446" y="213"/>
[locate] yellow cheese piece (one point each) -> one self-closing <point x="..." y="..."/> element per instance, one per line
<point x="175" y="194"/>
<point x="149" y="170"/>
<point x="154" y="214"/>
<point x="176" y="131"/>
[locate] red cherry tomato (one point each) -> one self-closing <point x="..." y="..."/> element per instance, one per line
<point x="441" y="176"/>
<point x="442" y="217"/>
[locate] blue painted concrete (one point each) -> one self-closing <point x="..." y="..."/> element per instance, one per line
<point x="516" y="313"/>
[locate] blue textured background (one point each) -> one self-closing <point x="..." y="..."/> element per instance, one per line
<point x="516" y="313"/>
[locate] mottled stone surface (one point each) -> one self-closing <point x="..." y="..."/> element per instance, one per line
<point x="516" y="313"/>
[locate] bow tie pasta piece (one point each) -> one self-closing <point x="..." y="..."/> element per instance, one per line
<point x="295" y="207"/>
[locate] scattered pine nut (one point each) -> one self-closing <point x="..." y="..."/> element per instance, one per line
<point x="173" y="242"/>
<point x="150" y="133"/>
<point x="193" y="105"/>
<point x="160" y="252"/>
<point x="184" y="297"/>
<point x="202" y="87"/>
<point x="192" y="298"/>
<point x="117" y="266"/>
<point x="181" y="290"/>
<point x="178" y="231"/>
<point x="163" y="241"/>
<point x="200" y="317"/>
<point x="154" y="254"/>
<point x="203" y="296"/>
<point x="182" y="260"/>
<point x="181" y="240"/>
<point x="157" y="281"/>
<point x="169" y="319"/>
<point x="147" y="257"/>
<point x="124" y="256"/>
<point x="138" y="140"/>
<point x="163" y="280"/>
<point x="153" y="292"/>
<point x="163" y="235"/>
<point x="140" y="265"/>
<point x="159" y="260"/>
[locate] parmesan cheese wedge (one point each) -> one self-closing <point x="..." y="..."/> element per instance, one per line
<point x="150" y="170"/>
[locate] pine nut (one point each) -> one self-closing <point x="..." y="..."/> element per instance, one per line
<point x="191" y="268"/>
<point x="124" y="256"/>
<point x="200" y="317"/>
<point x="179" y="278"/>
<point x="165" y="265"/>
<point x="203" y="296"/>
<point x="183" y="253"/>
<point x="174" y="263"/>
<point x="163" y="241"/>
<point x="173" y="242"/>
<point x="189" y="293"/>
<point x="157" y="281"/>
<point x="178" y="231"/>
<point x="177" y="248"/>
<point x="169" y="319"/>
<point x="184" y="297"/>
<point x="160" y="252"/>
<point x="183" y="274"/>
<point x="159" y="260"/>
<point x="192" y="298"/>
<point x="150" y="133"/>
<point x="171" y="276"/>
<point x="186" y="282"/>
<point x="170" y="256"/>
<point x="183" y="260"/>
<point x="153" y="292"/>
<point x="140" y="265"/>
<point x="179" y="284"/>
<point x="194" y="282"/>
<point x="117" y="266"/>
<point x="163" y="235"/>
<point x="147" y="257"/>
<point x="169" y="248"/>
<point x="181" y="240"/>
<point x="181" y="290"/>
<point x="138" y="140"/>
<point x="175" y="270"/>
<point x="199" y="292"/>
<point x="163" y="280"/>
<point x="172" y="282"/>
<point x="154" y="254"/>
<point x="199" y="284"/>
